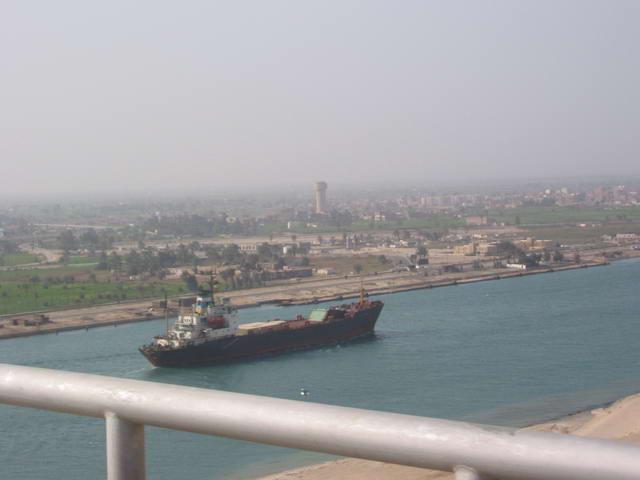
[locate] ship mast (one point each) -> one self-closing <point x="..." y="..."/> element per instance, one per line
<point x="362" y="292"/>
<point x="166" y="311"/>
<point x="212" y="283"/>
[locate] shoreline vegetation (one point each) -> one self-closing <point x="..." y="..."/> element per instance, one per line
<point x="619" y="420"/>
<point x="136" y="311"/>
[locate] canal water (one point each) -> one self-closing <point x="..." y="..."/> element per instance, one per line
<point x="508" y="352"/>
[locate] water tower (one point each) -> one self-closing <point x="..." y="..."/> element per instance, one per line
<point x="321" y="197"/>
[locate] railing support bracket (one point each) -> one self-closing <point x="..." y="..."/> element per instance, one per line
<point x="472" y="451"/>
<point x="466" y="473"/>
<point x="125" y="449"/>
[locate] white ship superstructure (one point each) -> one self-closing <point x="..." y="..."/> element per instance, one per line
<point x="206" y="321"/>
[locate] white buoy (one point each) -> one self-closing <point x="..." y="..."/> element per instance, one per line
<point x="304" y="392"/>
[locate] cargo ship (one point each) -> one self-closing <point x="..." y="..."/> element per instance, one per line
<point x="210" y="333"/>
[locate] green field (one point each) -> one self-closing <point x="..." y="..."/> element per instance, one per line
<point x="14" y="259"/>
<point x="18" y="297"/>
<point x="37" y="289"/>
<point x="80" y="272"/>
<point x="562" y="215"/>
<point x="572" y="235"/>
<point x="511" y="216"/>
<point x="433" y="221"/>
<point x="82" y="260"/>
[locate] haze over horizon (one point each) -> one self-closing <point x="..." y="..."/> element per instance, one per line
<point x="101" y="97"/>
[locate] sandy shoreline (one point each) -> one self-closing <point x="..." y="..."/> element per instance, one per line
<point x="618" y="421"/>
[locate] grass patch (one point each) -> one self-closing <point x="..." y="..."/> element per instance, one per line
<point x="79" y="272"/>
<point x="433" y="221"/>
<point x="15" y="259"/>
<point x="558" y="215"/>
<point x="25" y="297"/>
<point x="581" y="235"/>
<point x="82" y="260"/>
<point x="36" y="289"/>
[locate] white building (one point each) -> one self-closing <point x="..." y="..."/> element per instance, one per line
<point x="248" y="247"/>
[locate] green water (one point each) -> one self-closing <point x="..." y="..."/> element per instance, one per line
<point x="508" y="352"/>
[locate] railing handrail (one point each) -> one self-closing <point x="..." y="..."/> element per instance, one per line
<point x="470" y="449"/>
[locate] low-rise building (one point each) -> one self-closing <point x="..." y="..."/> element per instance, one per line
<point x="531" y="244"/>
<point x="627" y="237"/>
<point x="517" y="266"/>
<point x="326" y="271"/>
<point x="476" y="220"/>
<point x="289" y="272"/>
<point x="248" y="247"/>
<point x="468" y="249"/>
<point x="488" y="249"/>
<point x="525" y="243"/>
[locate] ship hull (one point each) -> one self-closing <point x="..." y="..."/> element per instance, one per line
<point x="237" y="348"/>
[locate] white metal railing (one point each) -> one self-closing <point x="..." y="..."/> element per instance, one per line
<point x="472" y="451"/>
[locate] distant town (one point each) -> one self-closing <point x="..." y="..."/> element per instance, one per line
<point x="294" y="248"/>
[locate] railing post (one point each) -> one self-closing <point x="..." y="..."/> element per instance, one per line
<point x="125" y="449"/>
<point x="466" y="473"/>
<point x="472" y="451"/>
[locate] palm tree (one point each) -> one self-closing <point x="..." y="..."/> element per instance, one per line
<point x="227" y="275"/>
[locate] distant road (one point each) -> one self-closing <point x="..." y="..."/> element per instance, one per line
<point x="51" y="256"/>
<point x="70" y="225"/>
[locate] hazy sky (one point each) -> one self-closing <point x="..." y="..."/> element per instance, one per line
<point x="112" y="95"/>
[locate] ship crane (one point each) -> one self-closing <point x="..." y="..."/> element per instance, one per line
<point x="363" y="293"/>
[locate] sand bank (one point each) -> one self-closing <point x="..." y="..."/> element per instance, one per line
<point x="619" y="421"/>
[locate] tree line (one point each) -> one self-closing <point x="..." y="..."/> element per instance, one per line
<point x="90" y="239"/>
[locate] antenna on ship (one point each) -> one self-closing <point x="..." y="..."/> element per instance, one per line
<point x="166" y="311"/>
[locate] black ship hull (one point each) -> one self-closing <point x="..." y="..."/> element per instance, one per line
<point x="241" y="347"/>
